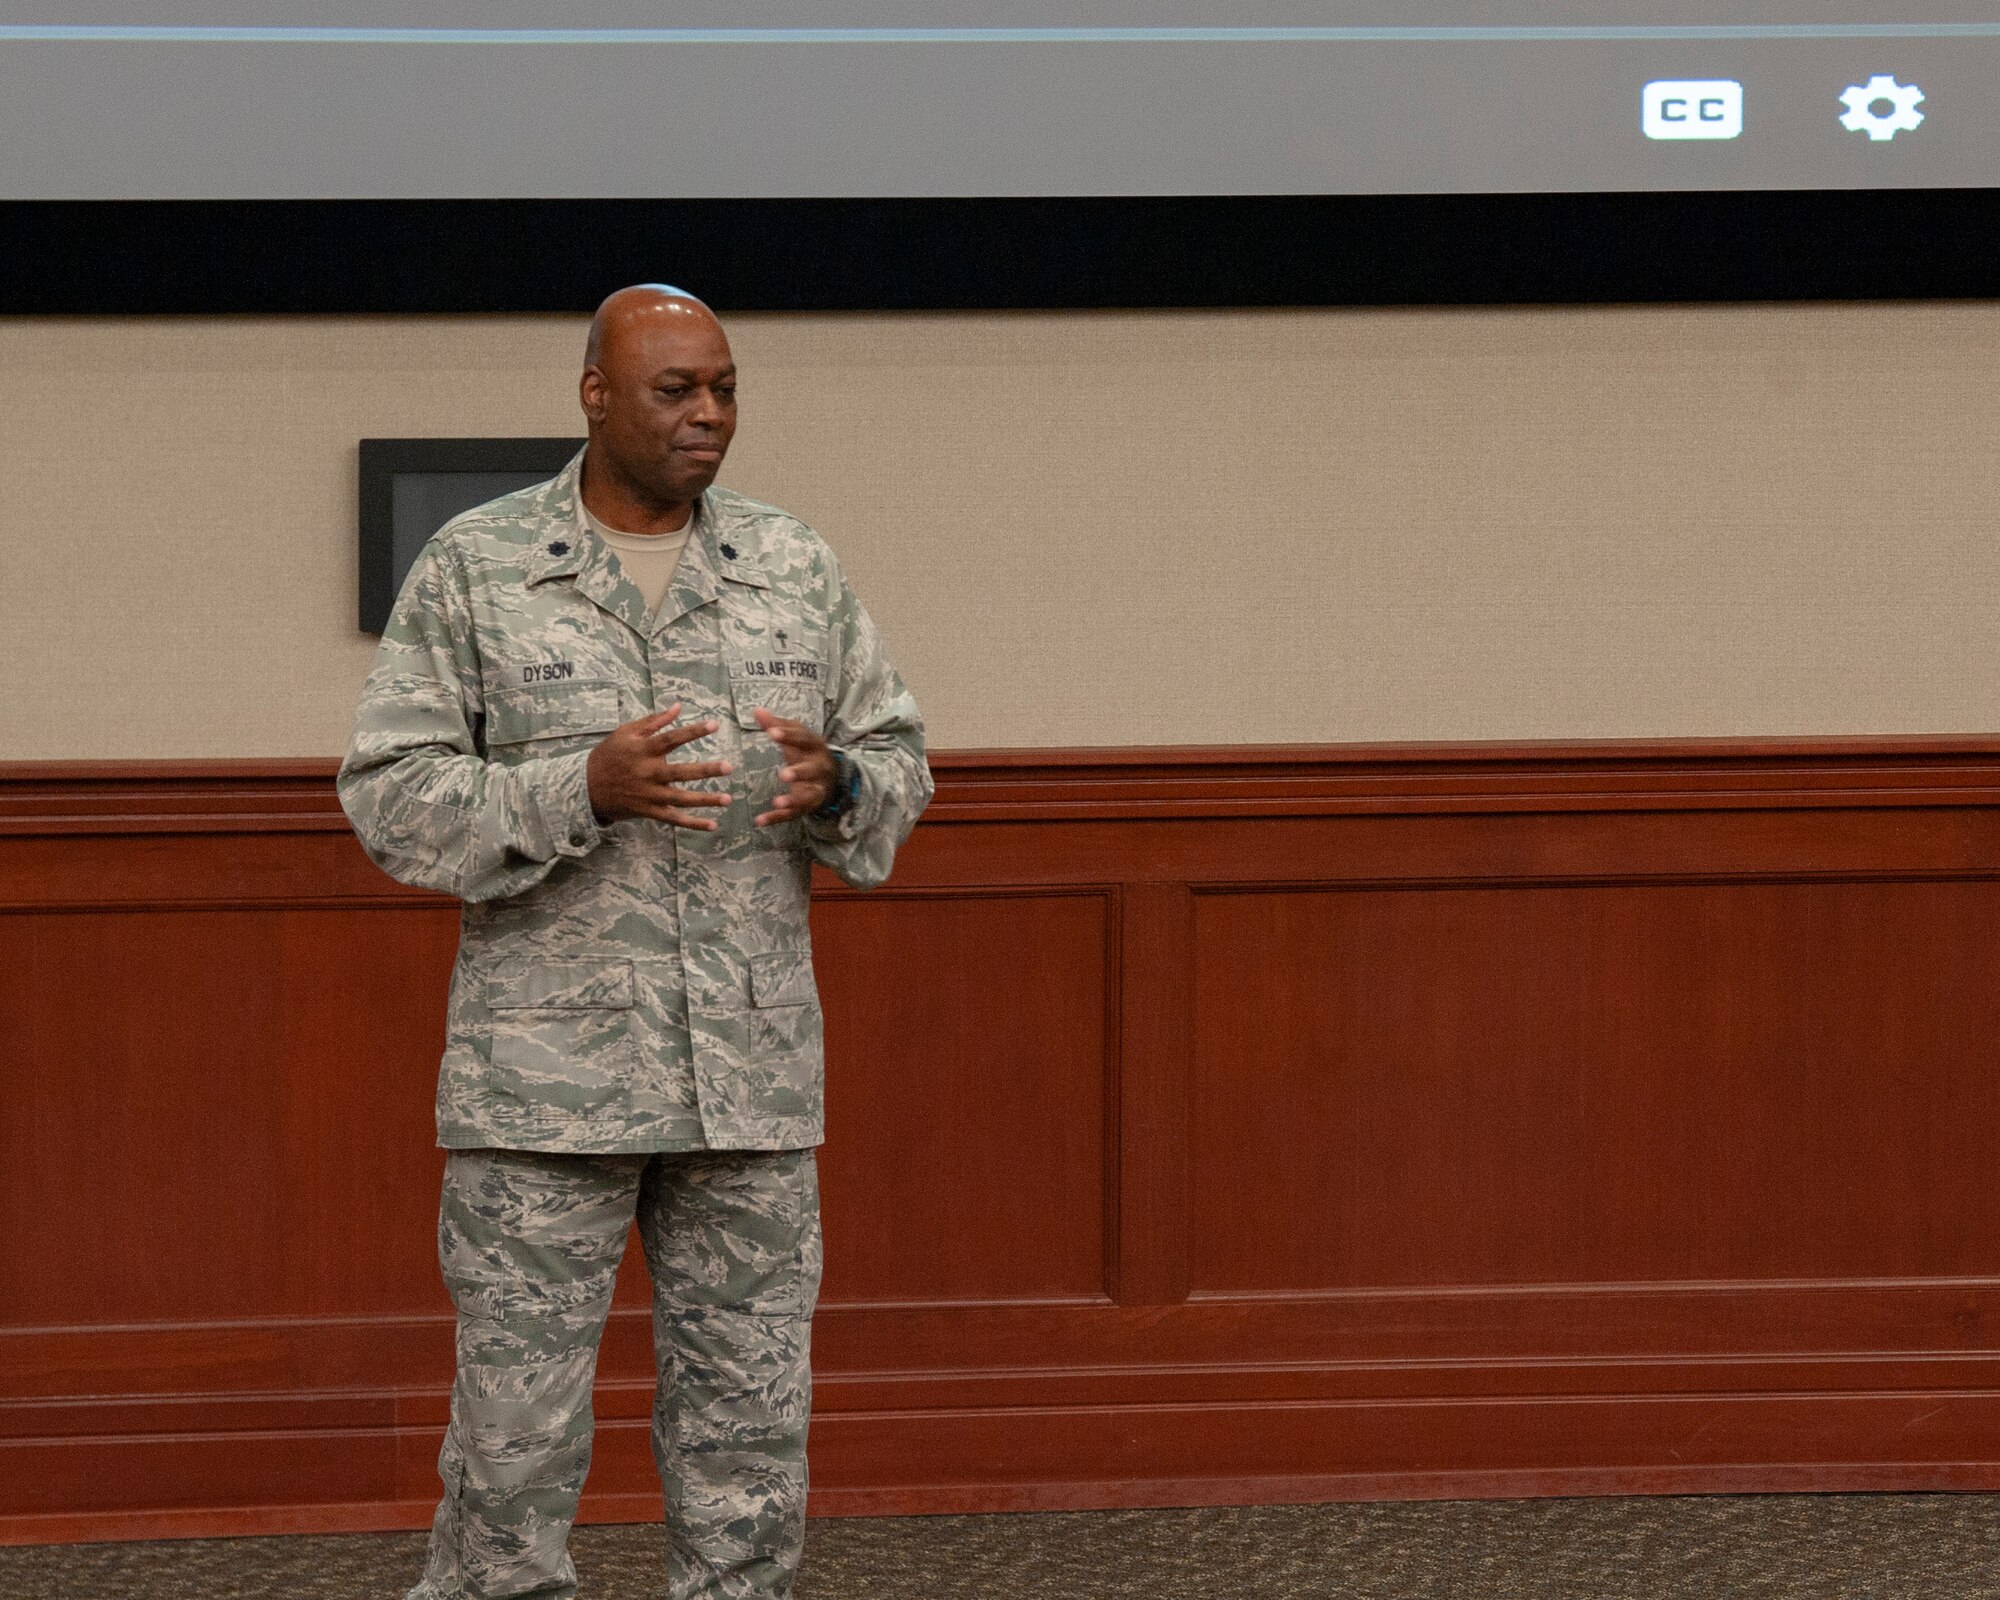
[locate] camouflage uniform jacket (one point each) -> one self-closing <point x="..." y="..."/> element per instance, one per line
<point x="627" y="986"/>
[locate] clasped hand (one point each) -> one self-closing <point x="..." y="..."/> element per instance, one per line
<point x="630" y="774"/>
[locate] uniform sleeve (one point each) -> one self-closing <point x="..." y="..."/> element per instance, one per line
<point x="875" y="722"/>
<point x="429" y="809"/>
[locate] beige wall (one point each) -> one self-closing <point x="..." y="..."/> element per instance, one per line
<point x="1092" y="528"/>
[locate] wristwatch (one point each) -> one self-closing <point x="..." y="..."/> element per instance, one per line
<point x="846" y="788"/>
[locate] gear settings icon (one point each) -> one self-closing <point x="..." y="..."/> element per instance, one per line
<point x="1881" y="107"/>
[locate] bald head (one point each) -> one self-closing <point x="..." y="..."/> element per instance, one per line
<point x="659" y="393"/>
<point x="627" y="313"/>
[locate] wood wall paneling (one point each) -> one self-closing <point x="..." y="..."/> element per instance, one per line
<point x="1205" y="1125"/>
<point x="1154" y="1088"/>
<point x="233" y="1106"/>
<point x="967" y="1091"/>
<point x="1595" y="1083"/>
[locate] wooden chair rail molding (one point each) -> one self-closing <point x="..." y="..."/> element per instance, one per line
<point x="1205" y="1124"/>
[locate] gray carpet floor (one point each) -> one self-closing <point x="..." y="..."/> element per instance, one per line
<point x="1799" y="1547"/>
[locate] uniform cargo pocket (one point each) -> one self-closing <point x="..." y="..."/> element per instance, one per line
<point x="782" y="978"/>
<point x="552" y="711"/>
<point x="563" y="1028"/>
<point x="784" y="1028"/>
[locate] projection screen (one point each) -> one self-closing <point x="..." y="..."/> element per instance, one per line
<point x="429" y="99"/>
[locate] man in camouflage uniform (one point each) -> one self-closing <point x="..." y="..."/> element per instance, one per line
<point x="633" y="1025"/>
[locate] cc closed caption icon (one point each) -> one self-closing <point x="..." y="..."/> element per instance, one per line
<point x="1692" y="108"/>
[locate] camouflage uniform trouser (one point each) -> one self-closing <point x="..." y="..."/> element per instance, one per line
<point x="530" y="1242"/>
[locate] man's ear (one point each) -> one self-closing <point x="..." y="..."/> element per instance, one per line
<point x="591" y="393"/>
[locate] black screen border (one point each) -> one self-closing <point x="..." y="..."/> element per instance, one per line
<point x="107" y="258"/>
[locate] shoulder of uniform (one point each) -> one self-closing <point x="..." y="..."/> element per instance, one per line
<point x="779" y="540"/>
<point x="501" y="531"/>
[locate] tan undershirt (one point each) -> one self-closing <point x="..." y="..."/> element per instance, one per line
<point x="649" y="559"/>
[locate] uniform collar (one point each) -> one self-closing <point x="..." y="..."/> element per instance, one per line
<point x="570" y="548"/>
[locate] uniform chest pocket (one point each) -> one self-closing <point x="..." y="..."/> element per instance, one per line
<point x="546" y="719"/>
<point x="794" y="681"/>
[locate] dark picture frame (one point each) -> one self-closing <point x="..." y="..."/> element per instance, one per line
<point x="412" y="487"/>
